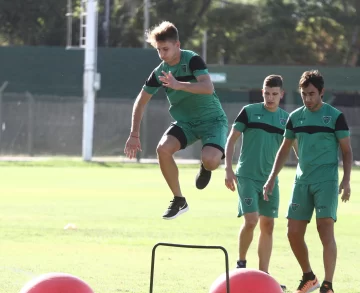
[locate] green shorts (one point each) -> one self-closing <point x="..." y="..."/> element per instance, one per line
<point x="211" y="132"/>
<point x="251" y="198"/>
<point x="323" y="197"/>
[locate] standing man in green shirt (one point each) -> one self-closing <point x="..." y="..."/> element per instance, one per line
<point x="194" y="106"/>
<point x="319" y="130"/>
<point x="262" y="126"/>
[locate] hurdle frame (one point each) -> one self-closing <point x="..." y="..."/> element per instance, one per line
<point x="214" y="247"/>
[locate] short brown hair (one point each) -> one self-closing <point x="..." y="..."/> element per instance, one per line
<point x="314" y="77"/>
<point x="165" y="31"/>
<point x="273" y="81"/>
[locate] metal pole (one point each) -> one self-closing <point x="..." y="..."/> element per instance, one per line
<point x="89" y="79"/>
<point x="204" y="46"/>
<point x="2" y="125"/>
<point x="69" y="24"/>
<point x="146" y="19"/>
<point x="31" y="102"/>
<point x="107" y="22"/>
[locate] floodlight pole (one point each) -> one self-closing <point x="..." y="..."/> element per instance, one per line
<point x="146" y="20"/>
<point x="91" y="80"/>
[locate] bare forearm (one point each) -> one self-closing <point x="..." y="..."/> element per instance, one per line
<point x="295" y="148"/>
<point x="279" y="163"/>
<point x="229" y="153"/>
<point x="203" y="87"/>
<point x="347" y="164"/>
<point x="137" y="114"/>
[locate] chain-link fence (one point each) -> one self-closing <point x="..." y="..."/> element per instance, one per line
<point x="52" y="126"/>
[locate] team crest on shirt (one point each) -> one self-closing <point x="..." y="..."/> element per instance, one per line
<point x="184" y="67"/>
<point x="326" y="119"/>
<point x="283" y="121"/>
<point x="248" y="201"/>
<point x="294" y="206"/>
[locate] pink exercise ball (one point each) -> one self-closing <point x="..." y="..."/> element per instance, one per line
<point x="56" y="283"/>
<point x="246" y="281"/>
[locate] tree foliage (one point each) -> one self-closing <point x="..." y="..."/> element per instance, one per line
<point x="238" y="32"/>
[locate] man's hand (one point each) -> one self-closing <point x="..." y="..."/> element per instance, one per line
<point x="268" y="188"/>
<point x="132" y="146"/>
<point x="168" y="80"/>
<point x="344" y="187"/>
<point x="230" y="179"/>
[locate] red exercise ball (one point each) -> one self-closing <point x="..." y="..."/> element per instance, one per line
<point x="56" y="283"/>
<point x="246" y="281"/>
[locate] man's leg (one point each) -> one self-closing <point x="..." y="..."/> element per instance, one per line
<point x="296" y="236"/>
<point x="246" y="235"/>
<point x="299" y="214"/>
<point x="172" y="141"/>
<point x="210" y="160"/>
<point x="166" y="148"/>
<point x="249" y="208"/>
<point x="326" y="203"/>
<point x="265" y="242"/>
<point x="213" y="137"/>
<point x="268" y="211"/>
<point x="325" y="227"/>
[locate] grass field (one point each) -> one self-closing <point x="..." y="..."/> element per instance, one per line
<point x="117" y="210"/>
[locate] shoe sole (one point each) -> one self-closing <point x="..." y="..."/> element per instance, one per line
<point x="312" y="289"/>
<point x="178" y="214"/>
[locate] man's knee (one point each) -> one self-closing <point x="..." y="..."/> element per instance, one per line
<point x="167" y="146"/>
<point x="210" y="163"/>
<point x="296" y="230"/>
<point x="325" y="229"/>
<point x="251" y="220"/>
<point x="267" y="225"/>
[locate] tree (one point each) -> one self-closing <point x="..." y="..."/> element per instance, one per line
<point x="28" y="22"/>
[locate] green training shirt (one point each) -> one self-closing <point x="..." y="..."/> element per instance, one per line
<point x="185" y="106"/>
<point x="318" y="135"/>
<point x="262" y="133"/>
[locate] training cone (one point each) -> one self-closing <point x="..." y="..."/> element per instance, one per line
<point x="56" y="283"/>
<point x="246" y="281"/>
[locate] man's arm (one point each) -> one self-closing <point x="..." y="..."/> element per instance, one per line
<point x="281" y="157"/>
<point x="230" y="147"/>
<point x="198" y="69"/>
<point x="347" y="158"/>
<point x="279" y="162"/>
<point x="203" y="85"/>
<point x="342" y="134"/>
<point x="295" y="148"/>
<point x="230" y="178"/>
<point x="138" y="112"/>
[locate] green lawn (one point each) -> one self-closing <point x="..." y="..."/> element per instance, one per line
<point x="118" y="209"/>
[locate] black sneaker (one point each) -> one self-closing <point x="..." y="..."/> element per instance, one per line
<point x="241" y="264"/>
<point x="202" y="178"/>
<point x="326" y="287"/>
<point x="177" y="207"/>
